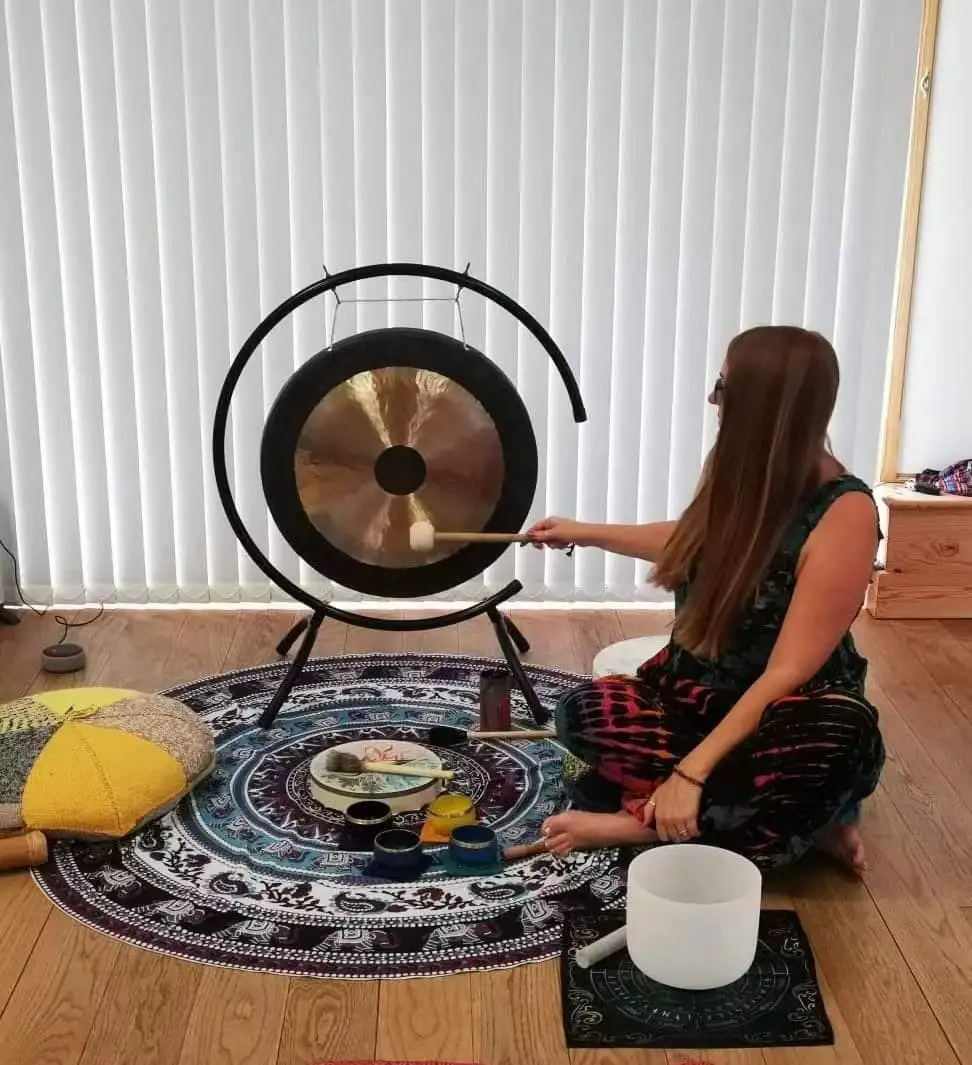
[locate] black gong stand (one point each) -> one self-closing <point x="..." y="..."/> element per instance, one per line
<point x="476" y="374"/>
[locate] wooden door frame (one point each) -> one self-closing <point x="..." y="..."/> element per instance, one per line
<point x="908" y="247"/>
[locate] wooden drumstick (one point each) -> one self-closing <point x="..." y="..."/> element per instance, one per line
<point x="422" y="536"/>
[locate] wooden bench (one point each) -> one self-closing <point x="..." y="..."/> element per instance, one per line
<point x="928" y="556"/>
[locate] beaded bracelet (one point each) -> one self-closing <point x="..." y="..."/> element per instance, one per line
<point x="691" y="780"/>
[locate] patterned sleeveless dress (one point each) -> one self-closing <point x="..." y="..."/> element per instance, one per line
<point x="814" y="757"/>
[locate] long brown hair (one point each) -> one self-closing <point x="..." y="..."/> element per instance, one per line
<point x="777" y="397"/>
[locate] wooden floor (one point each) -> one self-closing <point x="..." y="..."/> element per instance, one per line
<point x="894" y="954"/>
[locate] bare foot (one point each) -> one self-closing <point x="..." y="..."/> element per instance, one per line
<point x="577" y="830"/>
<point x="844" y="843"/>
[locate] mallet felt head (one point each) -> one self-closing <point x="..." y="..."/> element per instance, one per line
<point x="421" y="536"/>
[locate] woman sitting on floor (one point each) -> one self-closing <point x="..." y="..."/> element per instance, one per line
<point x="751" y="730"/>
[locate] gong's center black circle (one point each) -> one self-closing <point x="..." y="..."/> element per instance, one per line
<point x="400" y="470"/>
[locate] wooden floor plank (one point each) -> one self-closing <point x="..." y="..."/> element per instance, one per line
<point x="477" y="639"/>
<point x="144" y="1012"/>
<point x="201" y="647"/>
<point x="716" y="1057"/>
<point x="98" y="640"/>
<point x="58" y="997"/>
<point x="516" y="1016"/>
<point x="946" y="657"/>
<point x="419" y="1020"/>
<point x="237" y="1019"/>
<point x="143" y="645"/>
<point x="362" y="641"/>
<point x="620" y="1057"/>
<point x="329" y="1019"/>
<point x="332" y="638"/>
<point x="946" y="734"/>
<point x="927" y="927"/>
<point x="20" y="648"/>
<point x="432" y="641"/>
<point x="926" y="800"/>
<point x="256" y="637"/>
<point x="886" y="1013"/>
<point x="552" y="636"/>
<point x="23" y="913"/>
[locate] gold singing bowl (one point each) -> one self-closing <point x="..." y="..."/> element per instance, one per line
<point x="389" y="447"/>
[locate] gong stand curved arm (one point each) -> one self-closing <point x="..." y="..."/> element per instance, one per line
<point x="318" y="288"/>
<point x="320" y="609"/>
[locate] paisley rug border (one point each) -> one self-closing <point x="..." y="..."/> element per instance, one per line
<point x="427" y="659"/>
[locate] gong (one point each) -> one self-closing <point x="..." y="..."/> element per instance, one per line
<point x="378" y="432"/>
<point x="391" y="427"/>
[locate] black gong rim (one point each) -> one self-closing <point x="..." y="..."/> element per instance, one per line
<point x="398" y="347"/>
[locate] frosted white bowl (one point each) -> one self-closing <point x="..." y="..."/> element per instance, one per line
<point x="693" y="915"/>
<point x="624" y="658"/>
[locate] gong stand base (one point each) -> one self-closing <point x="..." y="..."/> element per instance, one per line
<point x="511" y="640"/>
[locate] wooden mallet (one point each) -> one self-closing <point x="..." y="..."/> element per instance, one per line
<point x="423" y="536"/>
<point x="346" y="764"/>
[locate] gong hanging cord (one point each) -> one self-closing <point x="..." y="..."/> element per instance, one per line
<point x="339" y="303"/>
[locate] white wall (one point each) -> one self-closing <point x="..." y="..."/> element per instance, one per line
<point x="936" y="419"/>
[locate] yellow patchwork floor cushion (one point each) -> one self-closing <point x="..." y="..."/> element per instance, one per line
<point x="97" y="763"/>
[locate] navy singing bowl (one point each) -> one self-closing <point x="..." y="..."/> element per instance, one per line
<point x="474" y="845"/>
<point x="398" y="848"/>
<point x="364" y="820"/>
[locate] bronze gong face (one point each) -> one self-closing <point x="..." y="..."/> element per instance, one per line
<point x="386" y="429"/>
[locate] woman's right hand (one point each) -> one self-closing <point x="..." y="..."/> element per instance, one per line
<point x="558" y="533"/>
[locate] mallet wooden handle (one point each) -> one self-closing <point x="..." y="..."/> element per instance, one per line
<point x="523" y="850"/>
<point x="523" y="734"/>
<point x="481" y="538"/>
<point x="395" y="770"/>
<point x="22" y="850"/>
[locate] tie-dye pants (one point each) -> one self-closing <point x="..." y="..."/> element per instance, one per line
<point x="813" y="759"/>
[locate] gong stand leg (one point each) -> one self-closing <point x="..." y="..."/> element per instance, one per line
<point x="283" y="648"/>
<point x="538" y="711"/>
<point x="298" y="663"/>
<point x="522" y="643"/>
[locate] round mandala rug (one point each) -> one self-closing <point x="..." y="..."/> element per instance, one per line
<point x="249" y="871"/>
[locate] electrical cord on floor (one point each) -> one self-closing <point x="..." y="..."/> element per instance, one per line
<point x="41" y="612"/>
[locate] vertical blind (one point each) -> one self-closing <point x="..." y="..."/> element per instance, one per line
<point x="646" y="176"/>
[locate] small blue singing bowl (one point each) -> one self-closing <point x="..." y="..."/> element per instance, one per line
<point x="364" y="820"/>
<point x="398" y="849"/>
<point x="474" y="845"/>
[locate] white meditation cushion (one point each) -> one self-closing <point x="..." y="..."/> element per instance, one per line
<point x="625" y="657"/>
